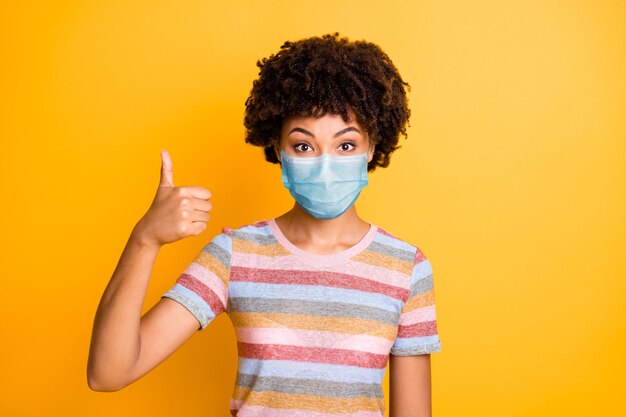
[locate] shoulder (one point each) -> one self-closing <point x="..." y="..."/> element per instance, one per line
<point x="255" y="227"/>
<point x="414" y="261"/>
<point x="223" y="244"/>
<point x="400" y="245"/>
<point x="254" y="231"/>
<point x="417" y="266"/>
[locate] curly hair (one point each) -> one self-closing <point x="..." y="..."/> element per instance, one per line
<point x="315" y="75"/>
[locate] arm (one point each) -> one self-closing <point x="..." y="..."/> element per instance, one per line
<point x="409" y="386"/>
<point x="417" y="338"/>
<point x="125" y="345"/>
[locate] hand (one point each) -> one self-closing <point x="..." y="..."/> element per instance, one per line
<point x="176" y="212"/>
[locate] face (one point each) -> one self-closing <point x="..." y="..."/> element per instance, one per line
<point x="311" y="136"/>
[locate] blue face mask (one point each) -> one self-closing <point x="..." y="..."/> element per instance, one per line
<point x="326" y="185"/>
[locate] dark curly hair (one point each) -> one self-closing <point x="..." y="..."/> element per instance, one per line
<point x="315" y="75"/>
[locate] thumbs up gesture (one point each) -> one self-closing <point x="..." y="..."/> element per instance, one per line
<point x="175" y="212"/>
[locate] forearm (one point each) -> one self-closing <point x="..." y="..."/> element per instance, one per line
<point x="410" y="386"/>
<point x="115" y="342"/>
<point x="419" y="406"/>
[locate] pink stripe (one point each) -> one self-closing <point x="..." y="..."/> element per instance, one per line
<point x="260" y="223"/>
<point x="312" y="338"/>
<point x="417" y="315"/>
<point x="311" y="354"/>
<point x="291" y="263"/>
<point x="208" y="278"/>
<point x="317" y="278"/>
<point x="203" y="291"/>
<point x="388" y="234"/>
<point x="426" y="328"/>
<point x="260" y="411"/>
<point x="419" y="257"/>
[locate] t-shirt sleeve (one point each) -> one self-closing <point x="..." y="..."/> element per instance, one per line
<point x="417" y="325"/>
<point x="202" y="288"/>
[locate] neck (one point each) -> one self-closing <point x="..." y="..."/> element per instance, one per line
<point x="300" y="226"/>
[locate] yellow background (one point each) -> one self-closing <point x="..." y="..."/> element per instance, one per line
<point x="512" y="182"/>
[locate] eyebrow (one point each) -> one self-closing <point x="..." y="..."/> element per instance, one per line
<point x="341" y="132"/>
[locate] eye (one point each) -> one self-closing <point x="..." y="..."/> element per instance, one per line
<point x="303" y="144"/>
<point x="346" y="144"/>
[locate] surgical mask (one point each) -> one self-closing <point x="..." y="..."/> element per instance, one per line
<point x="326" y="185"/>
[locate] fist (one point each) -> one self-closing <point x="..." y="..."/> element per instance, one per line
<point x="175" y="212"/>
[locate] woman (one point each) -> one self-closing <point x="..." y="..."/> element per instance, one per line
<point x="320" y="299"/>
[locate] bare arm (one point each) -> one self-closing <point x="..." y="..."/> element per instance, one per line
<point x="125" y="345"/>
<point x="409" y="386"/>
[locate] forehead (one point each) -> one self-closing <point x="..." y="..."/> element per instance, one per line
<point x="328" y="119"/>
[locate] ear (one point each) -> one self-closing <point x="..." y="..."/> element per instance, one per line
<point x="370" y="155"/>
<point x="277" y="151"/>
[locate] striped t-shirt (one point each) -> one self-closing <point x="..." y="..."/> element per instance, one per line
<point x="314" y="332"/>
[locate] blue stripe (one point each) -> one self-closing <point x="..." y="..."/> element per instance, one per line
<point x="310" y="370"/>
<point x="396" y="243"/>
<point x="314" y="293"/>
<point x="256" y="230"/>
<point x="421" y="270"/>
<point x="224" y="241"/>
<point x="409" y="342"/>
<point x="194" y="298"/>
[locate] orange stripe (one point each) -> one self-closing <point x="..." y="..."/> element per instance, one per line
<point x="273" y="399"/>
<point x="372" y="257"/>
<point x="324" y="323"/>
<point x="424" y="299"/>
<point x="212" y="264"/>
<point x="246" y="246"/>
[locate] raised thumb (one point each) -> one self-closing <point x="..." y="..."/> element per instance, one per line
<point x="166" y="170"/>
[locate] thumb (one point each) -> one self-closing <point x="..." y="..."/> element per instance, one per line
<point x="166" y="170"/>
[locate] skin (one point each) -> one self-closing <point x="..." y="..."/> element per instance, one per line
<point x="307" y="137"/>
<point x="409" y="386"/>
<point x="125" y="345"/>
